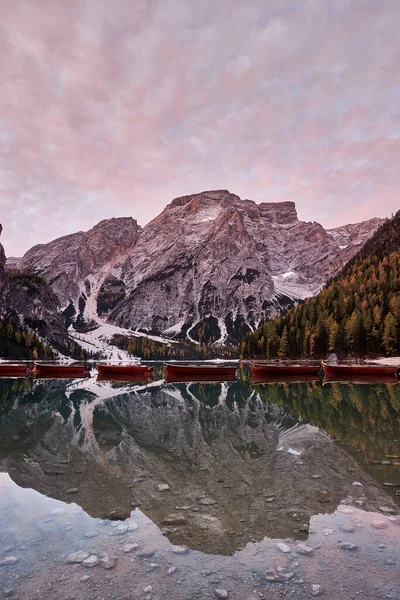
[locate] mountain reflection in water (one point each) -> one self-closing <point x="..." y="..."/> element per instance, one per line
<point x="213" y="465"/>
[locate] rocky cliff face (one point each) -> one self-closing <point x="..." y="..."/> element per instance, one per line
<point x="75" y="266"/>
<point x="27" y="300"/>
<point x="210" y="267"/>
<point x="213" y="264"/>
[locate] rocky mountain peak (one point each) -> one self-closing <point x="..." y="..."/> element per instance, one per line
<point x="279" y="212"/>
<point x="206" y="197"/>
<point x="209" y="267"/>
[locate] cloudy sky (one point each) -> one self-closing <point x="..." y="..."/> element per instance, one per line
<point x="114" y="107"/>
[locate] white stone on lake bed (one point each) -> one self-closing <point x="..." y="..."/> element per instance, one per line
<point x="163" y="487"/>
<point x="304" y="549"/>
<point x="122" y="528"/>
<point x="316" y="590"/>
<point x="91" y="561"/>
<point x="171" y="570"/>
<point x="348" y="546"/>
<point x="179" y="549"/>
<point x="146" y="552"/>
<point x="132" y="526"/>
<point x="77" y="557"/>
<point x="130" y="547"/>
<point x="346" y="510"/>
<point x="379" y="524"/>
<point x="386" y="509"/>
<point x="147" y="589"/>
<point x="107" y="562"/>
<point x="207" y="501"/>
<point x="9" y="560"/>
<point x="221" y="593"/>
<point x="283" y="547"/>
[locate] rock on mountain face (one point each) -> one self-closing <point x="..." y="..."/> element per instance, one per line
<point x="211" y="266"/>
<point x="27" y="300"/>
<point x="76" y="265"/>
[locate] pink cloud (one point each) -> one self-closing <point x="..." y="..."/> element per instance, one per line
<point x="109" y="111"/>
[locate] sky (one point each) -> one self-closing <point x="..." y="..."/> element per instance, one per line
<point x="113" y="108"/>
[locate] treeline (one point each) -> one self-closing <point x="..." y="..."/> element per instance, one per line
<point x="365" y="418"/>
<point x="357" y="312"/>
<point x="151" y="349"/>
<point x="20" y="342"/>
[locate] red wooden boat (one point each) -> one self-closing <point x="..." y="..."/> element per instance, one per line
<point x="123" y="372"/>
<point x="60" y="371"/>
<point x="9" y="369"/>
<point x="284" y="378"/>
<point x="199" y="372"/>
<point x="268" y="369"/>
<point x="349" y="371"/>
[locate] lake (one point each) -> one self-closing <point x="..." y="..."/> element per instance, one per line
<point x="199" y="490"/>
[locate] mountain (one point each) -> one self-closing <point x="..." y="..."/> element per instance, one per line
<point x="76" y="265"/>
<point x="357" y="312"/>
<point x="29" y="312"/>
<point x="210" y="267"/>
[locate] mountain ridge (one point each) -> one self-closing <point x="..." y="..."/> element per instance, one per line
<point x="208" y="268"/>
<point x="356" y="312"/>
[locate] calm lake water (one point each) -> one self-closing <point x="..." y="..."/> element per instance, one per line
<point x="194" y="490"/>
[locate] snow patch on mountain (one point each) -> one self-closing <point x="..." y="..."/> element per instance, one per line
<point x="99" y="340"/>
<point x="174" y="329"/>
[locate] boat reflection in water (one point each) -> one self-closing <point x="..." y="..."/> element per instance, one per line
<point x="283" y="378"/>
<point x="199" y="372"/>
<point x="284" y="369"/>
<point x="360" y="379"/>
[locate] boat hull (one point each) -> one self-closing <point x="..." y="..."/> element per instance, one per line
<point x="14" y="370"/>
<point x="199" y="372"/>
<point x="123" y="370"/>
<point x="351" y="371"/>
<point x="259" y="370"/>
<point x="60" y="371"/>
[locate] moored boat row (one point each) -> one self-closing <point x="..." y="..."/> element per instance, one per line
<point x="266" y="372"/>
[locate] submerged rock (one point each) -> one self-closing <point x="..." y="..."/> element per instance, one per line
<point x="77" y="557"/>
<point x="91" y="561"/>
<point x="179" y="549"/>
<point x="348" y="546"/>
<point x="9" y="560"/>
